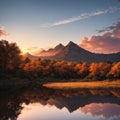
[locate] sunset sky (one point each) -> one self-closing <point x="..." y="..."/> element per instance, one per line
<point x="36" y="24"/>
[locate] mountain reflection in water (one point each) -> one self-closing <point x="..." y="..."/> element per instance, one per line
<point x="49" y="104"/>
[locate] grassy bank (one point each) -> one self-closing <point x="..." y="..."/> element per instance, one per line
<point x="75" y="85"/>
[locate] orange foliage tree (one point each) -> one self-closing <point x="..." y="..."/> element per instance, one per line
<point x="115" y="70"/>
<point x="99" y="70"/>
<point x="82" y="69"/>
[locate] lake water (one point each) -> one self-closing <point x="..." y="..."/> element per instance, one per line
<point x="48" y="104"/>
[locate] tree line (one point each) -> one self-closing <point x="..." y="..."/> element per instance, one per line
<point x="13" y="63"/>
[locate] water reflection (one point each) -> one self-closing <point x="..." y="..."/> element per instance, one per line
<point x="48" y="104"/>
<point x="93" y="111"/>
<point x="106" y="110"/>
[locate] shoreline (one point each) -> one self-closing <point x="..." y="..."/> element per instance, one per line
<point x="77" y="85"/>
<point x="55" y="83"/>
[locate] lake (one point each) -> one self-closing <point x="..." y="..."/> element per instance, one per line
<point x="48" y="104"/>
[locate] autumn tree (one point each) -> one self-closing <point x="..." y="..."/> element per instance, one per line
<point x="60" y="69"/>
<point x="104" y="69"/>
<point x="9" y="56"/>
<point x="32" y="68"/>
<point x="82" y="69"/>
<point x="99" y="70"/>
<point x="115" y="70"/>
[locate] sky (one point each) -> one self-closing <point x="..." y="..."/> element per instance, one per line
<point x="36" y="24"/>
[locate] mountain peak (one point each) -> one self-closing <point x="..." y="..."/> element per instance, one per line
<point x="71" y="43"/>
<point x="73" y="52"/>
<point x="59" y="46"/>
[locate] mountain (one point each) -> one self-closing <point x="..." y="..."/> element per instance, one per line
<point x="28" y="55"/>
<point x="73" y="52"/>
<point x="51" y="51"/>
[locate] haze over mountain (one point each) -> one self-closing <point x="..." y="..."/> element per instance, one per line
<point x="73" y="52"/>
<point x="28" y="55"/>
<point x="52" y="51"/>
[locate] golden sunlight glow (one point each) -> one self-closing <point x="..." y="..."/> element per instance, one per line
<point x="24" y="51"/>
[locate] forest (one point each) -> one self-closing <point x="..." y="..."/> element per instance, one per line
<point x="12" y="63"/>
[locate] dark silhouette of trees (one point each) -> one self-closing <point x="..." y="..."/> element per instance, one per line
<point x="9" y="56"/>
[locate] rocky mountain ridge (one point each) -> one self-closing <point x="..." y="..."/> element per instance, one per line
<point x="73" y="52"/>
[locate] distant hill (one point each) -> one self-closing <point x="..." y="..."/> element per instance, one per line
<point x="73" y="52"/>
<point x="51" y="51"/>
<point x="28" y="55"/>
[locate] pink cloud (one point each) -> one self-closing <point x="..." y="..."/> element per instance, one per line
<point x="3" y="32"/>
<point x="109" y="42"/>
<point x="113" y="30"/>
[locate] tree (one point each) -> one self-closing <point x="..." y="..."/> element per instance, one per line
<point x="115" y="70"/>
<point x="99" y="70"/>
<point x="82" y="69"/>
<point x="104" y="69"/>
<point x="10" y="57"/>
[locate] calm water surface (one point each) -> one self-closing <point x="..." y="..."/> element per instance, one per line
<point x="48" y="104"/>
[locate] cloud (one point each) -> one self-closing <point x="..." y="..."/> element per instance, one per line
<point x="3" y="32"/>
<point x="109" y="42"/>
<point x="82" y="16"/>
<point x="113" y="30"/>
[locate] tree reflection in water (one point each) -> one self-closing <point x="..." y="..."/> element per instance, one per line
<point x="83" y="99"/>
